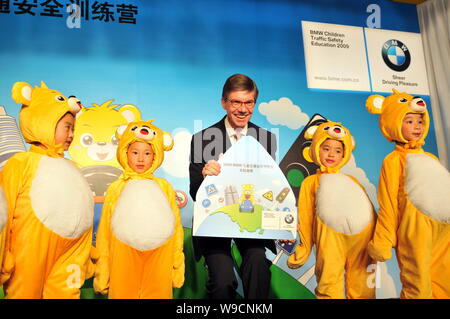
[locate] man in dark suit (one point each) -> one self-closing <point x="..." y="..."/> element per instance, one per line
<point x="239" y="96"/>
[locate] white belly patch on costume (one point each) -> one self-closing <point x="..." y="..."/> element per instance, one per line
<point x="342" y="204"/>
<point x="3" y="210"/>
<point x="142" y="217"/>
<point x="61" y="198"/>
<point x="427" y="185"/>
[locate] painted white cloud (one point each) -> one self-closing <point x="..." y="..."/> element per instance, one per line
<point x="351" y="169"/>
<point x="284" y="112"/>
<point x="176" y="161"/>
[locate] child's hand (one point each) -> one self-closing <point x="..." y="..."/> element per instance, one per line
<point x="299" y="257"/>
<point x="212" y="168"/>
<point x="379" y="253"/>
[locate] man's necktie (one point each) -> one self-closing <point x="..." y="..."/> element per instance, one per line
<point x="237" y="133"/>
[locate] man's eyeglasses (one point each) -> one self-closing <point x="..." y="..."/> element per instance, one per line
<point x="236" y="103"/>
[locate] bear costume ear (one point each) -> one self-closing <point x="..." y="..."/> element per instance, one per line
<point x="310" y="132"/>
<point x="80" y="112"/>
<point x="167" y="141"/>
<point x="21" y="93"/>
<point x="130" y="112"/>
<point x="120" y="130"/>
<point x="353" y="143"/>
<point x="374" y="104"/>
<point x="307" y="155"/>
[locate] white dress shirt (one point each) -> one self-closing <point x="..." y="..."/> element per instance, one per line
<point x="232" y="132"/>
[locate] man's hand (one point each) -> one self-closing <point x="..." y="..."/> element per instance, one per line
<point x="211" y="168"/>
<point x="287" y="241"/>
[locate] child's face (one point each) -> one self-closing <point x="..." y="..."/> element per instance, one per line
<point x="64" y="130"/>
<point x="140" y="156"/>
<point x="412" y="127"/>
<point x="331" y="153"/>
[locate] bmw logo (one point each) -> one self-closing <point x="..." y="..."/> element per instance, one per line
<point x="289" y="219"/>
<point x="396" y="55"/>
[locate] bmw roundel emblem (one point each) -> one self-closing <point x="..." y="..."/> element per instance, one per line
<point x="396" y="55"/>
<point x="289" y="219"/>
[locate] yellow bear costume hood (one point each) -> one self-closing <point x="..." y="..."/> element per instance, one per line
<point x="392" y="110"/>
<point x="334" y="131"/>
<point x="42" y="108"/>
<point x="146" y="132"/>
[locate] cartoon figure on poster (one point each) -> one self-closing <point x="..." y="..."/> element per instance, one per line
<point x="414" y="199"/>
<point x="238" y="204"/>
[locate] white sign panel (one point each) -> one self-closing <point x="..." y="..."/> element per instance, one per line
<point x="335" y="57"/>
<point x="250" y="198"/>
<point x="396" y="61"/>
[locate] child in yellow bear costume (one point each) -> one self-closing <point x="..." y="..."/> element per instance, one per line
<point x="414" y="199"/>
<point x="336" y="215"/>
<point x="49" y="229"/>
<point x="140" y="236"/>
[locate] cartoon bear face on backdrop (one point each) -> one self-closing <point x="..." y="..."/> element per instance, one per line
<point x="94" y="141"/>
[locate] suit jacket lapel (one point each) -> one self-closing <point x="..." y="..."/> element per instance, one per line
<point x="252" y="131"/>
<point x="226" y="139"/>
